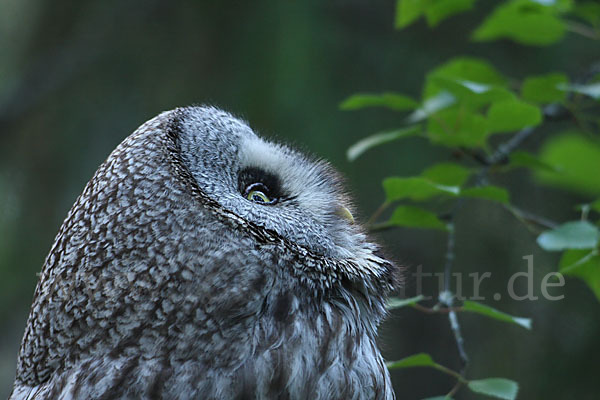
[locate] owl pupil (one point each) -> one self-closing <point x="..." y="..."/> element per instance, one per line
<point x="258" y="197"/>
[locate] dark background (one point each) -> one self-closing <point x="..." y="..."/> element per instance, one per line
<point x="76" y="77"/>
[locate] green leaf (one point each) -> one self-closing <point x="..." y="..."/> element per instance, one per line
<point x="415" y="188"/>
<point x="458" y="128"/>
<point x="472" y="94"/>
<point x="573" y="259"/>
<point x="417" y="360"/>
<point x="460" y="86"/>
<point x="592" y="89"/>
<point x="524" y="21"/>
<point x="407" y="12"/>
<point x="415" y="217"/>
<point x="464" y="69"/>
<point x="395" y="302"/>
<point x="512" y="115"/>
<point x="522" y="158"/>
<point x="570" y="235"/>
<point x="380" y="138"/>
<point x="544" y="89"/>
<point x="584" y="264"/>
<point x="490" y="192"/>
<point x="432" y="105"/>
<point x="392" y="101"/>
<point x="577" y="158"/>
<point x="469" y="69"/>
<point x="449" y="174"/>
<point x="496" y="387"/>
<point x="588" y="11"/>
<point x="472" y="306"/>
<point x="439" y="10"/>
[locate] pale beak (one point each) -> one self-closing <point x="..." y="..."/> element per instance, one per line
<point x="345" y="213"/>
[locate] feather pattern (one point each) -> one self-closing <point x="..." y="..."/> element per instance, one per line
<point x="164" y="281"/>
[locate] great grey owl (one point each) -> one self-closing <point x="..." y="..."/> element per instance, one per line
<point x="204" y="262"/>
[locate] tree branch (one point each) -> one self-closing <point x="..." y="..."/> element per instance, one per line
<point x="447" y="297"/>
<point x="530" y="219"/>
<point x="504" y="150"/>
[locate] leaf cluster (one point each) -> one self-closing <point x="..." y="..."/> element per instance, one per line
<point x="468" y="106"/>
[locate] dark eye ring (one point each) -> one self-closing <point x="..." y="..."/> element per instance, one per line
<point x="259" y="193"/>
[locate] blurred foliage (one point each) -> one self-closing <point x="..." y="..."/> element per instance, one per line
<point x="466" y="101"/>
<point x="77" y="77"/>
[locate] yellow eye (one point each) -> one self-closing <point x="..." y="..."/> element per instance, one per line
<point x="258" y="197"/>
<point x="259" y="193"/>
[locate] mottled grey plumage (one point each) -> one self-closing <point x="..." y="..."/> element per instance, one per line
<point x="166" y="281"/>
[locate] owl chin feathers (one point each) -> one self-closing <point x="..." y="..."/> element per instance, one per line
<point x="202" y="261"/>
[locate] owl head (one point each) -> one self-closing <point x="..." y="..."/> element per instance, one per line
<point x="277" y="194"/>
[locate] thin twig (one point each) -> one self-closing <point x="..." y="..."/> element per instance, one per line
<point x="529" y="219"/>
<point x="508" y="147"/>
<point x="460" y="343"/>
<point x="453" y="391"/>
<point x="447" y="297"/>
<point x="451" y="372"/>
<point x="475" y="155"/>
<point x="450" y="249"/>
<point x="378" y="212"/>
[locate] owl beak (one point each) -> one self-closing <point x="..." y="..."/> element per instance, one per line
<point x="345" y="213"/>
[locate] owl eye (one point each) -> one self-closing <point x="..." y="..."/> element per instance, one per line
<point x="259" y="186"/>
<point x="259" y="193"/>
